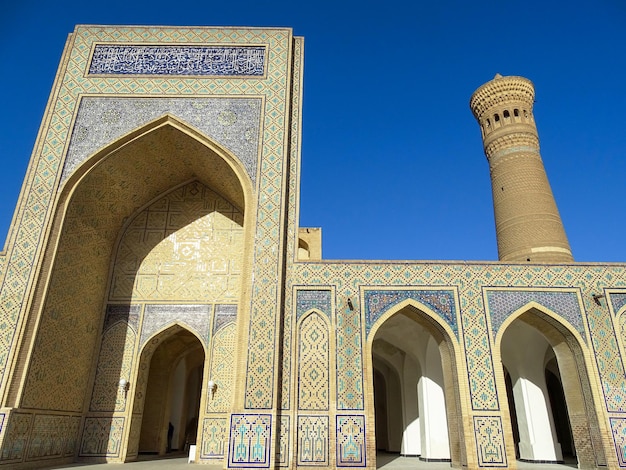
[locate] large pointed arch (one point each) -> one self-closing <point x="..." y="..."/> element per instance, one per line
<point x="574" y="361"/>
<point x="448" y="347"/>
<point x="91" y="208"/>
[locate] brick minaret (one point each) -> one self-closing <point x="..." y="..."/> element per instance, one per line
<point x="528" y="225"/>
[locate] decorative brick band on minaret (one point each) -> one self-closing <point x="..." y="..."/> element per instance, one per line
<point x="528" y="225"/>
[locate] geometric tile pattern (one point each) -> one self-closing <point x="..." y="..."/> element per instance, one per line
<point x="126" y="313"/>
<point x="197" y="318"/>
<point x="222" y="370"/>
<point x="233" y="123"/>
<point x="187" y="246"/>
<point x="313" y="440"/>
<point x="16" y="437"/>
<point x="224" y="315"/>
<point x="618" y="300"/>
<point x="379" y="301"/>
<point x="283" y="443"/>
<point x="177" y="60"/>
<point x="292" y="203"/>
<point x="313" y="363"/>
<point x="312" y="299"/>
<point x="490" y="441"/>
<point x="607" y="356"/>
<point x="102" y="437"/>
<point x="501" y="304"/>
<point x="114" y="363"/>
<point x="268" y="231"/>
<point x="618" y="428"/>
<point x="213" y="438"/>
<point x="250" y="440"/>
<point x="349" y="359"/>
<point x="53" y="436"/>
<point x="350" y="441"/>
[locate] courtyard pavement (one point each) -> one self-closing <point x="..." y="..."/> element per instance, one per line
<point x="385" y="461"/>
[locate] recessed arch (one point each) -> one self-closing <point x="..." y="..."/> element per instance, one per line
<point x="156" y="397"/>
<point x="442" y="348"/>
<point x="572" y="363"/>
<point x="92" y="207"/>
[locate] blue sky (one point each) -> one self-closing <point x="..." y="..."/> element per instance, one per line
<point x="392" y="160"/>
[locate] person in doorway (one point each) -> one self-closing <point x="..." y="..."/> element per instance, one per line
<point x="170" y="433"/>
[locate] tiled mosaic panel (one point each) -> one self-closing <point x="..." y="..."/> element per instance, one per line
<point x="250" y="440"/>
<point x="351" y="441"/>
<point x="501" y="304"/>
<point x="292" y="201"/>
<point x="224" y="315"/>
<point x="233" y="123"/>
<point x="282" y="458"/>
<point x="214" y="434"/>
<point x="618" y="301"/>
<point x="377" y="302"/>
<point x="607" y="356"/>
<point x="16" y="437"/>
<point x="196" y="318"/>
<point x="490" y="441"/>
<point x="313" y="363"/>
<point x="312" y="440"/>
<point x="114" y="363"/>
<point x="177" y="60"/>
<point x="78" y="286"/>
<point x="24" y="241"/>
<point x="349" y="359"/>
<point x="267" y="273"/>
<point x="287" y="355"/>
<point x="186" y="246"/>
<point x="618" y="431"/>
<point x="53" y="436"/>
<point x="129" y="314"/>
<point x="222" y="370"/>
<point x="59" y="372"/>
<point x="307" y="300"/>
<point x="102" y="437"/>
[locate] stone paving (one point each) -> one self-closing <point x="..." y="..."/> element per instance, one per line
<point x="385" y="461"/>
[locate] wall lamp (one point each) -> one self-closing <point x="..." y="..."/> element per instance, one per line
<point x="212" y="388"/>
<point x="124" y="385"/>
<point x="597" y="297"/>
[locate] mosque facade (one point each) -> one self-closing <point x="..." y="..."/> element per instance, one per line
<point x="158" y="295"/>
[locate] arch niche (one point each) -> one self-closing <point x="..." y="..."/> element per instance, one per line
<point x="78" y="296"/>
<point x="543" y="364"/>
<point x="412" y="380"/>
<point x="167" y="393"/>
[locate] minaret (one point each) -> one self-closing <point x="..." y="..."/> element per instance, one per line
<point x="528" y="225"/>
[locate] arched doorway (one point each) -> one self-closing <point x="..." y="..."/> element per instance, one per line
<point x="413" y="387"/>
<point x="546" y="372"/>
<point x="169" y="418"/>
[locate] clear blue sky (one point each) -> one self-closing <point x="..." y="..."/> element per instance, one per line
<point x="392" y="161"/>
